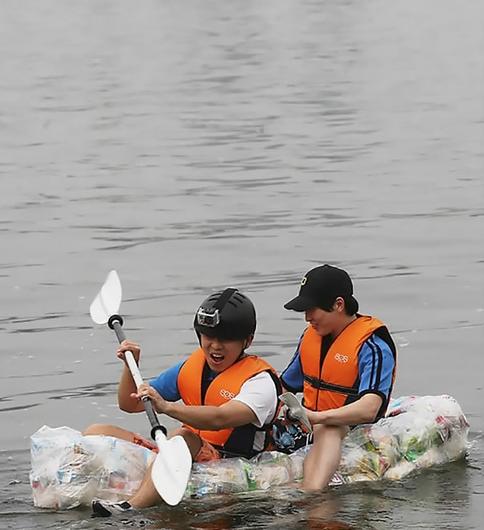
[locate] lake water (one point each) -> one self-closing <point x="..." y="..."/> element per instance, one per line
<point x="197" y="145"/>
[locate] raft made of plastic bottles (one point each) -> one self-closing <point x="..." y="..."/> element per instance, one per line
<point x="69" y="470"/>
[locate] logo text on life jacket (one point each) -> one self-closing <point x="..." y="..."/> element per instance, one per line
<point x="341" y="358"/>
<point x="226" y="394"/>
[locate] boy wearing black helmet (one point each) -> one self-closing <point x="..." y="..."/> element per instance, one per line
<point x="226" y="399"/>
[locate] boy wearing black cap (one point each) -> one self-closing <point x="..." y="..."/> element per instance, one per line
<point x="344" y="365"/>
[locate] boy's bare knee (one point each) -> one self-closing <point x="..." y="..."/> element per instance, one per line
<point x="97" y="428"/>
<point x="182" y="431"/>
<point x="192" y="439"/>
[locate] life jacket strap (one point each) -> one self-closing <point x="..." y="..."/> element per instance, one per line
<point x="322" y="385"/>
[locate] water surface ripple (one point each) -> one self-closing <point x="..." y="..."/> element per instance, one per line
<point x="198" y="145"/>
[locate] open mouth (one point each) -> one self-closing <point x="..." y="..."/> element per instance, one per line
<point x="216" y="358"/>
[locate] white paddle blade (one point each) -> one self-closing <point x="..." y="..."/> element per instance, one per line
<point x="108" y="299"/>
<point x="296" y="410"/>
<point x="171" y="468"/>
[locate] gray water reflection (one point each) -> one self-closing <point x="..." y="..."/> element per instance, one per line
<point x="202" y="144"/>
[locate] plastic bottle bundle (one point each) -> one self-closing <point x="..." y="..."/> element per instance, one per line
<point x="368" y="452"/>
<point x="221" y="476"/>
<point x="430" y="430"/>
<point x="272" y="468"/>
<point x="418" y="432"/>
<point x="123" y="466"/>
<point x="69" y="469"/>
<point x="236" y="475"/>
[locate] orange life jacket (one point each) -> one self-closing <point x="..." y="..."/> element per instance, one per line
<point x="195" y="389"/>
<point x="331" y="377"/>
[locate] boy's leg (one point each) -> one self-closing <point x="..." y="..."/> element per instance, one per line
<point x="118" y="432"/>
<point x="147" y="495"/>
<point x="324" y="456"/>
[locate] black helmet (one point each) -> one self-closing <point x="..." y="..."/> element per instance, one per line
<point x="227" y="315"/>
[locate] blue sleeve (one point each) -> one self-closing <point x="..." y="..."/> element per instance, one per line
<point x="376" y="363"/>
<point x="292" y="377"/>
<point x="166" y="384"/>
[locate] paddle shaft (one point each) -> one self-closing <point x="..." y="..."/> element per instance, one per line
<point x="171" y="467"/>
<point x="115" y="323"/>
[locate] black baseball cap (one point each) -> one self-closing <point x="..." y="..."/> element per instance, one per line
<point x="320" y="287"/>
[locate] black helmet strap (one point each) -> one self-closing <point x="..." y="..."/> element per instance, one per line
<point x="224" y="298"/>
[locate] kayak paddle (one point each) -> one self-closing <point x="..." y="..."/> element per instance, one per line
<point x="171" y="469"/>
